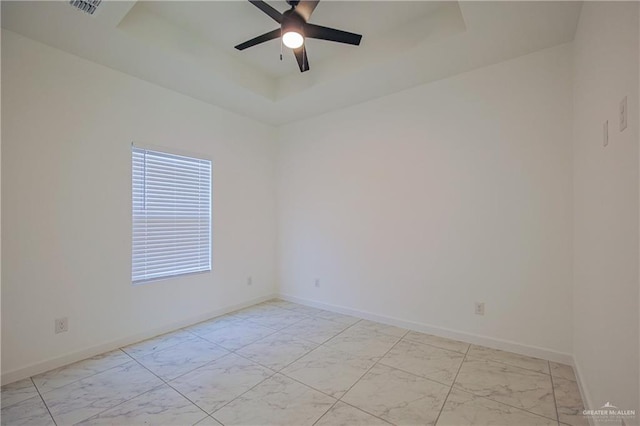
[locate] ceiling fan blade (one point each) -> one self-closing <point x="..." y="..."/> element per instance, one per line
<point x="331" y="34"/>
<point x="301" y="57"/>
<point x="260" y="39"/>
<point x="274" y="14"/>
<point x="306" y="7"/>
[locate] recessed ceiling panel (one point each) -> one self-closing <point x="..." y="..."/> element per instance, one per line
<point x="227" y="23"/>
<point x="188" y="46"/>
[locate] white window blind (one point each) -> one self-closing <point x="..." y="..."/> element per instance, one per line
<point x="171" y="215"/>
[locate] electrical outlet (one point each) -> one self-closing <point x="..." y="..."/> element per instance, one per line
<point x="623" y="114"/>
<point x="317" y="282"/>
<point x="605" y="133"/>
<point x="250" y="281"/>
<point x="61" y="325"/>
<point x="479" y="308"/>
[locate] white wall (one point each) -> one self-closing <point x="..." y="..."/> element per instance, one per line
<point x="416" y="205"/>
<point x="67" y="128"/>
<point x="412" y="206"/>
<point x="606" y="204"/>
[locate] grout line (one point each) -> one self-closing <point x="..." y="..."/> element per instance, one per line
<point x="309" y="386"/>
<point x="369" y="369"/>
<point x="513" y="365"/>
<point x="255" y="321"/>
<point x="83" y="377"/>
<point x="505" y="404"/>
<point x="236" y="352"/>
<point x="43" y="401"/>
<point x="318" y="346"/>
<point x="193" y="335"/>
<point x="367" y="372"/>
<point x="325" y="413"/>
<point x="167" y="383"/>
<point x="416" y="375"/>
<point x="254" y="362"/>
<point x="239" y="396"/>
<point x="408" y="340"/>
<point x="365" y="411"/>
<point x="553" y="391"/>
<point x="116" y="405"/>
<point x="123" y="402"/>
<point x="500" y="402"/>
<point x="210" y="362"/>
<point x="451" y="388"/>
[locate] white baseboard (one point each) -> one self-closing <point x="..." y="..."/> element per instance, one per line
<point x="491" y="342"/>
<point x="50" y="364"/>
<point x="586" y="396"/>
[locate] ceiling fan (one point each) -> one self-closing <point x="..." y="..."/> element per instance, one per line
<point x="294" y="28"/>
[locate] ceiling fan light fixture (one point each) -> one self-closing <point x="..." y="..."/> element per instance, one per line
<point x="292" y="39"/>
<point x="294" y="29"/>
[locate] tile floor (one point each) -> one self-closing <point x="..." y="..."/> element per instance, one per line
<point x="279" y="363"/>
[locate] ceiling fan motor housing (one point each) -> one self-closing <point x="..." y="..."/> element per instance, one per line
<point x="291" y="21"/>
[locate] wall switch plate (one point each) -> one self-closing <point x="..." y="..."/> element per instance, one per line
<point x="623" y="114"/>
<point x="249" y="280"/>
<point x="317" y="282"/>
<point x="479" y="308"/>
<point x="605" y="133"/>
<point x="61" y="325"/>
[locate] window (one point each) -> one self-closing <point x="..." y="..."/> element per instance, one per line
<point x="171" y="215"/>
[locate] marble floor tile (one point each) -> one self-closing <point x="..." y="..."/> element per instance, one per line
<point x="240" y="315"/>
<point x="424" y="360"/>
<point x="179" y="359"/>
<point x="262" y="310"/>
<point x="281" y="303"/>
<point x="305" y="310"/>
<point x="314" y="329"/>
<point x="278" y="320"/>
<point x="361" y="342"/>
<point x="465" y="409"/>
<point x="17" y="392"/>
<point x="535" y="364"/>
<point x="518" y="387"/>
<point x="160" y="406"/>
<point x="208" y="421"/>
<point x="277" y="350"/>
<point x="146" y="347"/>
<point x="569" y="402"/>
<point x="213" y="324"/>
<point x="329" y="370"/>
<point x="221" y="381"/>
<point x="440" y="342"/>
<point x="398" y="397"/>
<point x="343" y="414"/>
<point x="87" y="397"/>
<point x="235" y="336"/>
<point x="334" y="316"/>
<point x="29" y="412"/>
<point x="268" y="309"/>
<point x="276" y="401"/>
<point x="70" y="373"/>
<point x="380" y="328"/>
<point x="563" y="371"/>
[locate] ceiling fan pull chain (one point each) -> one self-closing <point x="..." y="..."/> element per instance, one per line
<point x="280" y="43"/>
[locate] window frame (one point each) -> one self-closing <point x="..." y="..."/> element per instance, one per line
<point x="172" y="153"/>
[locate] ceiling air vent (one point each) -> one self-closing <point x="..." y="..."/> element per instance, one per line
<point x="87" y="6"/>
